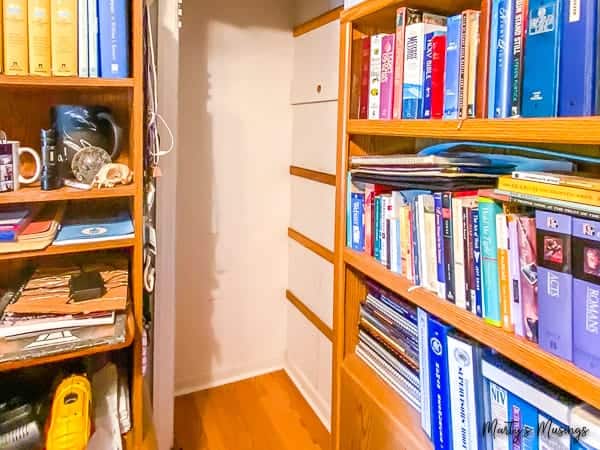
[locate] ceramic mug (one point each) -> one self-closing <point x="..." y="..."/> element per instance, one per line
<point x="10" y="166"/>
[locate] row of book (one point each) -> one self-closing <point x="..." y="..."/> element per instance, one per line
<point x="540" y="59"/>
<point x="86" y="38"/>
<point x="469" y="397"/>
<point x="533" y="271"/>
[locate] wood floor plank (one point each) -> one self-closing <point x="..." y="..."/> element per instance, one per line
<point x="262" y="413"/>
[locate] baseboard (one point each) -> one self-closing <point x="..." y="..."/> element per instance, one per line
<point x="310" y="395"/>
<point x="250" y="373"/>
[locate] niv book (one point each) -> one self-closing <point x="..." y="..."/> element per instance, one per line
<point x="98" y="227"/>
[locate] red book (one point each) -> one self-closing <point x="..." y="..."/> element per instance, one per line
<point x="363" y="101"/>
<point x="438" y="66"/>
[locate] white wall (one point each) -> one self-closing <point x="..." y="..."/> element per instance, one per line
<point x="305" y="10"/>
<point x="233" y="189"/>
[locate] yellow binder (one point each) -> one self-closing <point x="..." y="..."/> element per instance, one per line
<point x="39" y="37"/>
<point x="16" y="61"/>
<point x="64" y="37"/>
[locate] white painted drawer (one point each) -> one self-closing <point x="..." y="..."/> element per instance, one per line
<point x="316" y="62"/>
<point x="314" y="140"/>
<point x="313" y="210"/>
<point x="311" y="280"/>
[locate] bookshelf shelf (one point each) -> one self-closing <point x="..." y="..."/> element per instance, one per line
<point x="65" y="82"/>
<point x="556" y="370"/>
<point x="20" y="364"/>
<point x="70" y="249"/>
<point x="576" y="130"/>
<point x="35" y="194"/>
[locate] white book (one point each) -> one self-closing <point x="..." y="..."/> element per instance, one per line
<point x="458" y="245"/>
<point x="421" y="241"/>
<point x="375" y="76"/>
<point x="386" y="208"/>
<point x="93" y="63"/>
<point x="516" y="310"/>
<point x="499" y="414"/>
<point x="502" y="244"/>
<point x="463" y="391"/>
<point x="83" y="38"/>
<point x="424" y="371"/>
<point x="394" y="245"/>
<point x="588" y="418"/>
<point x="429" y="239"/>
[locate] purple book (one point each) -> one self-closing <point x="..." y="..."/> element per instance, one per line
<point x="515" y="275"/>
<point x="586" y="295"/>
<point x="555" y="283"/>
<point x="386" y="96"/>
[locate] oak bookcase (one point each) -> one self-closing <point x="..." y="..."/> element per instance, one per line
<point x="24" y="110"/>
<point x="367" y="413"/>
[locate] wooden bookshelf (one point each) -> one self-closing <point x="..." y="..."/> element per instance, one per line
<point x="24" y="111"/>
<point x="366" y="412"/>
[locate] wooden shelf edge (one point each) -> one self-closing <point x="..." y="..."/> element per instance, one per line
<point x="310" y="315"/>
<point x="391" y="403"/>
<point x="564" y="130"/>
<point x="70" y="249"/>
<point x="76" y="82"/>
<point x="366" y="8"/>
<point x="129" y="338"/>
<point x="559" y="372"/>
<point x="36" y="195"/>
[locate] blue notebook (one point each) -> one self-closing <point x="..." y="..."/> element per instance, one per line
<point x="113" y="33"/>
<point x="98" y="228"/>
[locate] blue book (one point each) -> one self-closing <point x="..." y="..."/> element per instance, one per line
<point x="377" y="221"/>
<point x="524" y="422"/>
<point x="493" y="44"/>
<point x="439" y="245"/>
<point x="93" y="58"/>
<point x="504" y="48"/>
<point x="8" y="236"/>
<point x="477" y="262"/>
<point x="542" y="59"/>
<point x="96" y="227"/>
<point x="113" y="33"/>
<point x="349" y="210"/>
<point x="441" y="419"/>
<point x="425" y="112"/>
<point x="358" y="221"/>
<point x="425" y="392"/>
<point x="578" y="49"/>
<point x="452" y="69"/>
<point x="488" y="209"/>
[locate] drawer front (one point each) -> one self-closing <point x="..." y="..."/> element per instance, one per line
<point x="314" y="143"/>
<point x="313" y="210"/>
<point x="316" y="63"/>
<point x="310" y="279"/>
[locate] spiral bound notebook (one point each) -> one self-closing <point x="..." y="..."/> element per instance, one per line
<point x="95" y="228"/>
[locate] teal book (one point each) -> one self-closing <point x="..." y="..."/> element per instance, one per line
<point x="488" y="210"/>
<point x="377" y="243"/>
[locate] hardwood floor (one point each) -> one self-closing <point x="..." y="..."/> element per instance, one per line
<point x="262" y="413"/>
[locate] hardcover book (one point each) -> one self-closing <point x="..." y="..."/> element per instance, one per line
<point x="529" y="275"/>
<point x="578" y="49"/>
<point x="401" y="16"/>
<point x="64" y="37"/>
<point x="518" y="52"/>
<point x="365" y="65"/>
<point x="412" y="85"/>
<point x="452" y="72"/>
<point x="586" y="295"/>
<point x="488" y="210"/>
<point x="386" y="98"/>
<point x="375" y="76"/>
<point x="39" y="37"/>
<point x="437" y="75"/>
<point x="503" y="96"/>
<point x="542" y="59"/>
<point x="555" y="302"/>
<point x="16" y="58"/>
<point x="113" y="38"/>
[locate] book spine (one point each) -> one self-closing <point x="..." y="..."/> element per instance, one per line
<point x="499" y="415"/>
<point x="503" y="94"/>
<point x="437" y="76"/>
<point x="358" y="221"/>
<point x="394" y="252"/>
<point x="483" y="59"/>
<point x="468" y="251"/>
<point x="429" y="244"/>
<point x="524" y="419"/>
<point x="448" y="246"/>
<point x="93" y="62"/>
<point x="39" y="37"/>
<point x="349" y="210"/>
<point x="548" y="439"/>
<point x="377" y="229"/>
<point x="578" y="49"/>
<point x="516" y="309"/>
<point x="462" y="66"/>
<point x="565" y="193"/>
<point x="386" y="207"/>
<point x="596" y="70"/>
<point x="16" y="58"/>
<point x="439" y="385"/>
<point x="83" y="33"/>
<point x="412" y="89"/>
<point x="388" y="53"/>
<point x="424" y="371"/>
<point x="421" y="240"/>
<point x="528" y="273"/>
<point x="405" y="241"/>
<point x="473" y="39"/>
<point x="503" y="271"/>
<point x="555" y="283"/>
<point x="452" y="72"/>
<point x="427" y="76"/>
<point x="477" y="263"/>
<point x="542" y="59"/>
<point x="375" y="76"/>
<point x="488" y="210"/>
<point x="414" y="233"/>
<point x="519" y="33"/>
<point x="439" y="245"/>
<point x="113" y="20"/>
<point x="493" y="46"/>
<point x="64" y="37"/>
<point x="458" y="253"/>
<point x="399" y="62"/>
<point x="369" y="219"/>
<point x="363" y="107"/>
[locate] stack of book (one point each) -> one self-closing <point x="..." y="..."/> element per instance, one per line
<point x="517" y="255"/>
<point x="29" y="228"/>
<point x="538" y="58"/>
<point x="388" y="341"/>
<point x="86" y="38"/>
